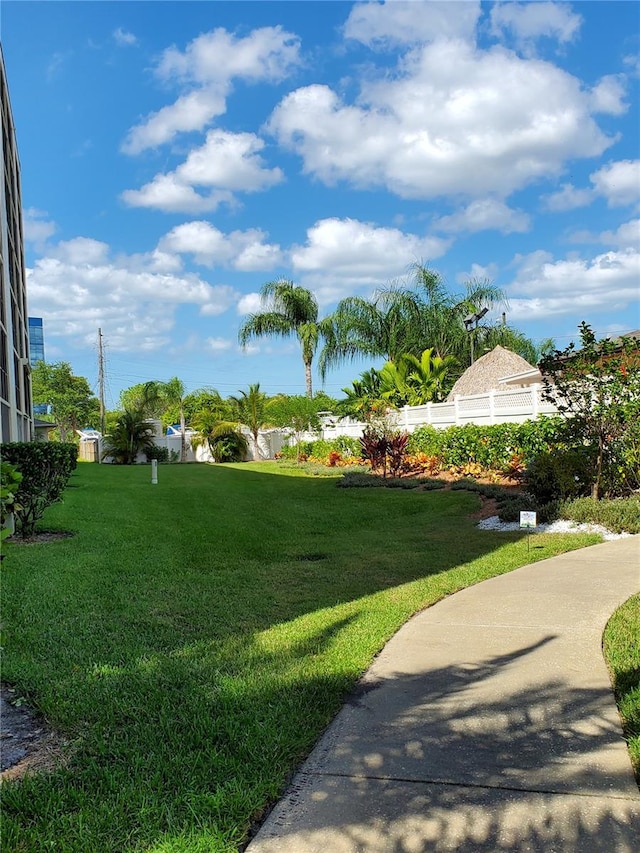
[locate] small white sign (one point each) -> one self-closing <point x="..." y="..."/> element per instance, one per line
<point x="528" y="519"/>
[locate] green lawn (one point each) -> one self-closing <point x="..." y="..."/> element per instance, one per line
<point x="622" y="651"/>
<point x="194" y="638"/>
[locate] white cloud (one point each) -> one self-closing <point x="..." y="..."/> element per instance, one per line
<point x="242" y="250"/>
<point x="528" y="21"/>
<point x="478" y="272"/>
<point x="483" y="215"/>
<point x="618" y="182"/>
<point x="341" y="254"/>
<point x="123" y="38"/>
<point x="250" y="303"/>
<point x="192" y="111"/>
<point x="453" y="120"/>
<point x="37" y="228"/>
<point x="169" y="194"/>
<point x="218" y="344"/>
<point x="568" y="197"/>
<point x="544" y="287"/>
<point x="225" y="163"/>
<point x="402" y="22"/>
<point x="627" y="236"/>
<point x="607" y="96"/>
<point x="207" y="66"/>
<point x="78" y="287"/>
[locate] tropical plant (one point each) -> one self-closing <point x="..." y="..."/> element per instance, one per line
<point x="413" y="381"/>
<point x="222" y="436"/>
<point x="287" y="309"/>
<point x="251" y="408"/>
<point x="131" y="434"/>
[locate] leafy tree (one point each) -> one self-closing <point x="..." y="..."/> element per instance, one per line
<point x="597" y="386"/>
<point x="296" y="413"/>
<point x="73" y="403"/>
<point x="287" y="309"/>
<point x="131" y="433"/>
<point x="251" y="408"/>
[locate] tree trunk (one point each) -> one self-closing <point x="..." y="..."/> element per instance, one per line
<point x="307" y="373"/>
<point x="595" y="489"/>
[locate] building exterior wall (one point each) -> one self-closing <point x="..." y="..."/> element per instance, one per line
<point x="16" y="420"/>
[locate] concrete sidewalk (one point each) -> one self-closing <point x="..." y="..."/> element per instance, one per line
<point x="486" y="724"/>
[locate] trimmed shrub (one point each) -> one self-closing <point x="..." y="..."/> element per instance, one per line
<point x="159" y="453"/>
<point x="45" y="467"/>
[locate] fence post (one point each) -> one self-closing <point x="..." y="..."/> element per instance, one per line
<point x="534" y="400"/>
<point x="429" y="414"/>
<point x="492" y="406"/>
<point x="456" y="409"/>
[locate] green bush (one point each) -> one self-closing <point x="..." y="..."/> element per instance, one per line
<point x="490" y="446"/>
<point x="360" y="480"/>
<point x="10" y="479"/>
<point x="559" y="475"/>
<point x="159" y="453"/>
<point x="45" y="467"/>
<point x="621" y="515"/>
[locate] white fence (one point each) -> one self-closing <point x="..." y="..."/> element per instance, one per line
<point x="513" y="405"/>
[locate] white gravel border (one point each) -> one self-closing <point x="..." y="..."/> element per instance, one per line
<point x="494" y="523"/>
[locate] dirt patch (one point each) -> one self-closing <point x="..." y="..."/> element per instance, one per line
<point x="41" y="536"/>
<point x="29" y="745"/>
<point x="488" y="508"/>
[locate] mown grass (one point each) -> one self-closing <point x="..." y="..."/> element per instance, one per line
<point x="194" y="638"/>
<point x="621" y="647"/>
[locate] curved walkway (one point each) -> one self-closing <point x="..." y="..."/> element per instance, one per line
<point x="486" y="724"/>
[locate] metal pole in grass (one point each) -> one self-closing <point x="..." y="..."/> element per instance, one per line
<point x="154" y="472"/>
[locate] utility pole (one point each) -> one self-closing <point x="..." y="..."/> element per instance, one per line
<point x="101" y="382"/>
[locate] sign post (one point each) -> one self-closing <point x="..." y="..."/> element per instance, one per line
<point x="528" y="520"/>
<point x="154" y="472"/>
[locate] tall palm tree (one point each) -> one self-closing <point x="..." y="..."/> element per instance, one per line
<point x="386" y="326"/>
<point x="251" y="409"/>
<point x="407" y="320"/>
<point x="287" y="309"/>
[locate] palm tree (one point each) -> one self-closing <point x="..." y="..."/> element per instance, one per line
<point x="407" y="320"/>
<point x="162" y="396"/>
<point x="387" y="326"/>
<point x="288" y="309"/>
<point x="251" y="410"/>
<point x="221" y="435"/>
<point x="131" y="433"/>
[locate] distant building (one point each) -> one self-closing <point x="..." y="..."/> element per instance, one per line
<point x="16" y="419"/>
<point x="36" y="341"/>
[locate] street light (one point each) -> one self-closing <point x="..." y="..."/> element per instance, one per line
<point x="471" y="324"/>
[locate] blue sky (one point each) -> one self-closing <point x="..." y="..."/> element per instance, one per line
<point x="176" y="156"/>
